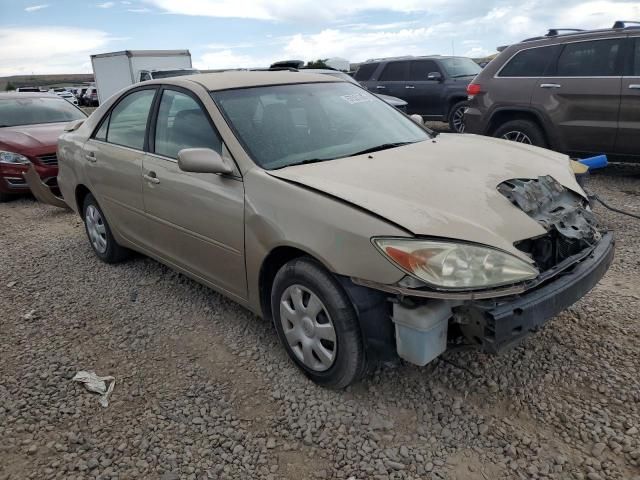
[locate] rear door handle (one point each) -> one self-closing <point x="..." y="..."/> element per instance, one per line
<point x="409" y="86"/>
<point x="634" y="86"/>
<point x="151" y="177"/>
<point x="550" y="85"/>
<point x="91" y="156"/>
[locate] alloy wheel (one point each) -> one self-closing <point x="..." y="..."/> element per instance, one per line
<point x="457" y="119"/>
<point x="96" y="229"/>
<point x="308" y="328"/>
<point x="517" y="136"/>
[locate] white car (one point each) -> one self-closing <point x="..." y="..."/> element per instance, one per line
<point x="66" y="94"/>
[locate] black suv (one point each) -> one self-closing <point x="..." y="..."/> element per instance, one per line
<point x="434" y="86"/>
<point x="576" y="92"/>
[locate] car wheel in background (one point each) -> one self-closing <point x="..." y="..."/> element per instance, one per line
<point x="99" y="233"/>
<point x="521" y="131"/>
<point x="456" y="117"/>
<point x="317" y="324"/>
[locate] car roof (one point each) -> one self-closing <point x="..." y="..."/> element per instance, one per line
<point x="245" y="79"/>
<point x="9" y="95"/>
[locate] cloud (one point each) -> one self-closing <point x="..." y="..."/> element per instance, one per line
<point x="284" y="10"/>
<point x="138" y="10"/>
<point x="67" y="49"/>
<point x="35" y="8"/>
<point x="106" y="5"/>
<point x="223" y="59"/>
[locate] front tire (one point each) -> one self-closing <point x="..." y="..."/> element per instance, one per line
<point x="521" y="131"/>
<point x="317" y="324"/>
<point x="456" y="117"/>
<point x="99" y="233"/>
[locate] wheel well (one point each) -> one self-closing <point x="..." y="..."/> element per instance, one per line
<point x="506" y="116"/>
<point x="452" y="102"/>
<point x="81" y="193"/>
<point x="270" y="266"/>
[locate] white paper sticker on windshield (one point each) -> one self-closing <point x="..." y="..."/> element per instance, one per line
<point x="356" y="98"/>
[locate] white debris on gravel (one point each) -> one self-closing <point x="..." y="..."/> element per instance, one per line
<point x="96" y="384"/>
<point x="564" y="405"/>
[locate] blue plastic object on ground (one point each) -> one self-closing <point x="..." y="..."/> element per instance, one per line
<point x="593" y="163"/>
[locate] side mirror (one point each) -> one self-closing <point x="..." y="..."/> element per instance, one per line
<point x="202" y="160"/>
<point x="434" y="76"/>
<point x="418" y="119"/>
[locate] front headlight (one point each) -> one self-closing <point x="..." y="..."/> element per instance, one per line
<point x="13" y="158"/>
<point x="455" y="265"/>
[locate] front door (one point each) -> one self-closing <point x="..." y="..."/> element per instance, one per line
<point x="197" y="218"/>
<point x="581" y="96"/>
<point x="628" y="141"/>
<point x="113" y="157"/>
<point x="424" y="96"/>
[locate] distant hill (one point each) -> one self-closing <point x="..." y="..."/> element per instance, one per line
<point x="44" y="80"/>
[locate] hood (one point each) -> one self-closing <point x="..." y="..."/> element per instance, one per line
<point x="29" y="137"/>
<point x="445" y="187"/>
<point x="395" y="101"/>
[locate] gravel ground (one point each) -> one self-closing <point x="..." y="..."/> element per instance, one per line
<point x="204" y="390"/>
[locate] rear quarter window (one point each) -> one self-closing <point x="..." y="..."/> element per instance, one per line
<point x="533" y="62"/>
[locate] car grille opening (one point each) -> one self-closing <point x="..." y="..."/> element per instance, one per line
<point x="49" y="159"/>
<point x="566" y="216"/>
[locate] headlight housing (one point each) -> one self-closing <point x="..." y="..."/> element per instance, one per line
<point x="12" y="158"/>
<point x="454" y="265"/>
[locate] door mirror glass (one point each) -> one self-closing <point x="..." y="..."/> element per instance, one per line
<point x="434" y="76"/>
<point x="418" y="119"/>
<point x="202" y="160"/>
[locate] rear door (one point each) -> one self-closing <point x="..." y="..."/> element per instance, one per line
<point x="196" y="219"/>
<point x="628" y="140"/>
<point x="581" y="95"/>
<point x="114" y="155"/>
<point x="423" y="96"/>
<point x="392" y="80"/>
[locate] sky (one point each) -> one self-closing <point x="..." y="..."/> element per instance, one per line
<point x="58" y="36"/>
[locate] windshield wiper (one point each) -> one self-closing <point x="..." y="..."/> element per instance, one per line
<point x="384" y="146"/>
<point x="304" y="162"/>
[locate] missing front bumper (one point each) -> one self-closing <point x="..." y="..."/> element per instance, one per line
<point x="41" y="191"/>
<point x="498" y="325"/>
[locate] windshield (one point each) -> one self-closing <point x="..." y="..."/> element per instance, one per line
<point x="173" y="73"/>
<point x="291" y="124"/>
<point x="460" y="67"/>
<point x="34" y="110"/>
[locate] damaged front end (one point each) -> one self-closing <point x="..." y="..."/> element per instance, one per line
<point x="572" y="256"/>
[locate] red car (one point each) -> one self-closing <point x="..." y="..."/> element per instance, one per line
<point x="30" y="124"/>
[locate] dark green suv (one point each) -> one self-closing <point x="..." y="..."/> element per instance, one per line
<point x="576" y="92"/>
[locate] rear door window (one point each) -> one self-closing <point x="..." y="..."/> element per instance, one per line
<point x="598" y="58"/>
<point x="395" y="72"/>
<point x="419" y="70"/>
<point x="534" y="62"/>
<point x="636" y="58"/>
<point x="128" y="123"/>
<point x="365" y="71"/>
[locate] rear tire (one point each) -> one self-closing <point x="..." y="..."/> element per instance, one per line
<point x="521" y="131"/>
<point x="99" y="233"/>
<point x="456" y="116"/>
<point x="300" y="285"/>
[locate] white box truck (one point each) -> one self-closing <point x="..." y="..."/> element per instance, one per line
<point x="117" y="70"/>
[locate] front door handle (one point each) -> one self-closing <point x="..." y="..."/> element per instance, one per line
<point x="634" y="86"/>
<point x="151" y="177"/>
<point x="91" y="156"/>
<point x="409" y="86"/>
<point x="380" y="87"/>
<point x="550" y="85"/>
